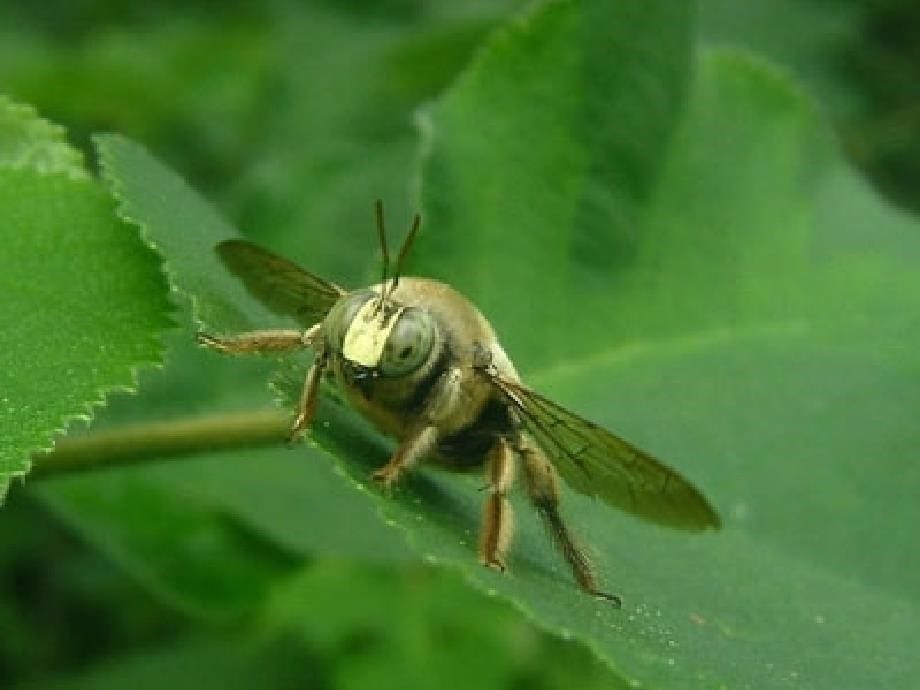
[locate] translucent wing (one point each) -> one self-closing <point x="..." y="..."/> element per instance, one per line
<point x="279" y="284"/>
<point x="597" y="463"/>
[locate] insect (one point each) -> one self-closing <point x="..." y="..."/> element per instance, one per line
<point x="420" y="361"/>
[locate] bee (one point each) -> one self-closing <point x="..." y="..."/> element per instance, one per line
<point x="423" y="365"/>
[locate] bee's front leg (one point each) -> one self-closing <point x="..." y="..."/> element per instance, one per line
<point x="263" y="342"/>
<point x="497" y="516"/>
<point x="260" y="342"/>
<point x="410" y="451"/>
<point x="306" y="409"/>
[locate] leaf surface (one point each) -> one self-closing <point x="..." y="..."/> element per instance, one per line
<point x="84" y="303"/>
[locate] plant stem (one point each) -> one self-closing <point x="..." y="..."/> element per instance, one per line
<point x="162" y="440"/>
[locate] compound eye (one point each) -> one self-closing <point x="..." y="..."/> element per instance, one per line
<point x="341" y="315"/>
<point x="409" y="344"/>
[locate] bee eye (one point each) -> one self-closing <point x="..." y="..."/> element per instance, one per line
<point x="409" y="344"/>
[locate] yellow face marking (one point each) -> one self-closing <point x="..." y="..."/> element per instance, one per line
<point x="368" y="333"/>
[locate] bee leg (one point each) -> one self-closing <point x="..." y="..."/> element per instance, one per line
<point x="307" y="406"/>
<point x="497" y="516"/>
<point x="410" y="451"/>
<point x="259" y="341"/>
<point x="278" y="341"/>
<point x="542" y="485"/>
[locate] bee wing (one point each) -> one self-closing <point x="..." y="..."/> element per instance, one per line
<point x="279" y="284"/>
<point x="597" y="463"/>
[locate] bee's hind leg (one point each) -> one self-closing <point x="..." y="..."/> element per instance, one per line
<point x="542" y="484"/>
<point x="497" y="515"/>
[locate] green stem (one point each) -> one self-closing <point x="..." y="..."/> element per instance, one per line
<point x="161" y="441"/>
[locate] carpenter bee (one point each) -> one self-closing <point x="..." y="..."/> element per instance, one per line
<point x="419" y="360"/>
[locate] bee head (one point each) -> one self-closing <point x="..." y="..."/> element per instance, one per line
<point x="376" y="335"/>
<point x="380" y="337"/>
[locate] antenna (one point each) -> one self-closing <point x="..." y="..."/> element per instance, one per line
<point x="404" y="250"/>
<point x="382" y="235"/>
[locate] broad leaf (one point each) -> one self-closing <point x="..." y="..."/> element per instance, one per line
<point x="84" y="303"/>
<point x="181" y="547"/>
<point x="190" y="661"/>
<point x="442" y="625"/>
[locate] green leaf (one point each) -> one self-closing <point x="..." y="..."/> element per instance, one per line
<point x="419" y="628"/>
<point x="83" y="304"/>
<point x="28" y="142"/>
<point x="183" y="548"/>
<point x="603" y="155"/>
<point x="338" y="625"/>
<point x="190" y="662"/>
<point x="152" y="197"/>
<point x="813" y="55"/>
<point x="324" y="159"/>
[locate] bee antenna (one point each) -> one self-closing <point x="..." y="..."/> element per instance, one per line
<point x="404" y="250"/>
<point x="382" y="236"/>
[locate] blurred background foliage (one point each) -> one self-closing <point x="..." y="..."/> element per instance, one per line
<point x="291" y="116"/>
